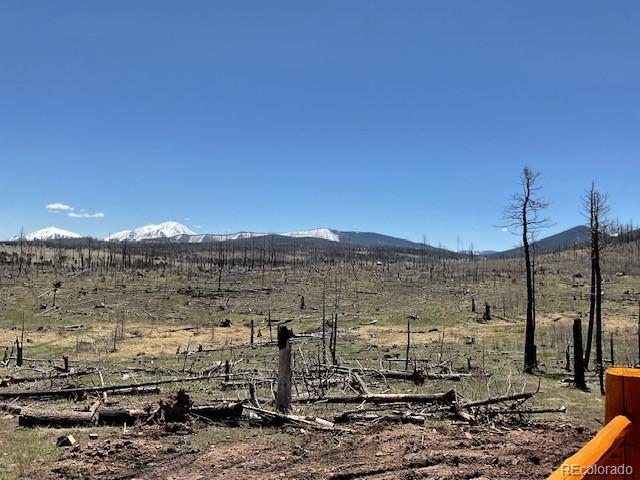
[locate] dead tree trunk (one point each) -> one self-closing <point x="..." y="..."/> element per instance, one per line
<point x="406" y="361"/>
<point x="19" y="353"/>
<point x="599" y="356"/>
<point x="613" y="358"/>
<point x="324" y="325"/>
<point x="487" y="312"/>
<point x="592" y="312"/>
<point x="523" y="213"/>
<point x="333" y="343"/>
<point x="595" y="206"/>
<point x="283" y="396"/>
<point x="530" y="353"/>
<point x="578" y="366"/>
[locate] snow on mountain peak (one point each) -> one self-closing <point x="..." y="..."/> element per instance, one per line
<point x="324" y="233"/>
<point x="49" y="233"/>
<point x="150" y="232"/>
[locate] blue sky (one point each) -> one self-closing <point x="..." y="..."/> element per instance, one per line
<point x="408" y="118"/>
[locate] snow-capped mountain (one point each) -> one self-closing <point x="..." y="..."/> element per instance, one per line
<point x="323" y="233"/>
<point x="362" y="239"/>
<point x="49" y="233"/>
<point x="216" y="237"/>
<point x="151" y="232"/>
<point x="175" y="232"/>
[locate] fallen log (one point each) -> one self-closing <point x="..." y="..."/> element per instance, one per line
<point x="494" y="400"/>
<point x="446" y="397"/>
<point x="528" y="411"/>
<point x="5" y="382"/>
<point x="138" y="391"/>
<point x="119" y="416"/>
<point x="81" y="392"/>
<point x="318" y="424"/>
<point x="417" y="375"/>
<point x="224" y="411"/>
<point x="51" y="418"/>
<point x="395" y="417"/>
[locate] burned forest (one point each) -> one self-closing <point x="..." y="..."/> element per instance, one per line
<point x="258" y="358"/>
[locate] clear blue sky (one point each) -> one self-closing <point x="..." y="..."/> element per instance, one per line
<point x="405" y="118"/>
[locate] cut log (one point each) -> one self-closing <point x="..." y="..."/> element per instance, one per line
<point x="225" y="411"/>
<point x="51" y="418"/>
<point x="119" y="416"/>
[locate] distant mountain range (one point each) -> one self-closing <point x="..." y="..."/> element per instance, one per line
<point x="362" y="239"/>
<point x="178" y="233"/>
<point x="575" y="236"/>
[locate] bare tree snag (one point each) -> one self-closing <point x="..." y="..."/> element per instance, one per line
<point x="333" y="343"/>
<point x="523" y="213"/>
<point x="578" y="366"/>
<point x="595" y="208"/>
<point x="613" y="357"/>
<point x="283" y="397"/>
<point x="406" y="361"/>
<point x="486" y="316"/>
<point x="19" y="353"/>
<point x="324" y="324"/>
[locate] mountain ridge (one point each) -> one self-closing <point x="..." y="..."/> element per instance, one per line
<point x="571" y="237"/>
<point x="178" y="233"/>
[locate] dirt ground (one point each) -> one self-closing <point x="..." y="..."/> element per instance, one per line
<point x="444" y="451"/>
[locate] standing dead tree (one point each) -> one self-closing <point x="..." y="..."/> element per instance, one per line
<point x="523" y="214"/>
<point x="595" y="208"/>
<point x="578" y="367"/>
<point x="283" y="397"/>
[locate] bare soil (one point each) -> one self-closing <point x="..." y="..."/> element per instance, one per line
<point x="445" y="451"/>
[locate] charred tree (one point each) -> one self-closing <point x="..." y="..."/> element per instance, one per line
<point x="523" y="214"/>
